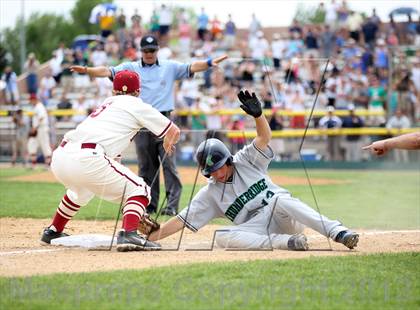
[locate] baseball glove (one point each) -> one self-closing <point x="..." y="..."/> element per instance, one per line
<point x="148" y="225"/>
<point x="33" y="132"/>
<point x="250" y="103"/>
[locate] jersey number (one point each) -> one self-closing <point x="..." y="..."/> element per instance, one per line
<point x="99" y="110"/>
<point x="268" y="195"/>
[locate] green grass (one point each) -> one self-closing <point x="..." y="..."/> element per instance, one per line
<point x="40" y="200"/>
<point x="14" y="172"/>
<point x="381" y="281"/>
<point x="370" y="199"/>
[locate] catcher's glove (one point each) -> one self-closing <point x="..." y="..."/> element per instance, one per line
<point x="250" y="103"/>
<point x="148" y="225"/>
<point x="33" y="132"/>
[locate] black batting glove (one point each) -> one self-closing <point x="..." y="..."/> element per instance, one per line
<point x="250" y="103"/>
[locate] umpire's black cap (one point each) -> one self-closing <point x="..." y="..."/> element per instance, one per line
<point x="149" y="42"/>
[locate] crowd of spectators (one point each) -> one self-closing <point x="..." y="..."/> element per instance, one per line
<point x="365" y="68"/>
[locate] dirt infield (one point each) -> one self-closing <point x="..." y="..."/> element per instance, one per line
<point x="188" y="174"/>
<point x="22" y="255"/>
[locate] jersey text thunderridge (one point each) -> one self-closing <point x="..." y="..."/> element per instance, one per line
<point x="239" y="202"/>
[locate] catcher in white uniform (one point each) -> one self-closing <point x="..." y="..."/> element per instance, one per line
<point x="84" y="162"/>
<point x="239" y="188"/>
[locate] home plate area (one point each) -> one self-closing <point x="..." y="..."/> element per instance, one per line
<point x="87" y="249"/>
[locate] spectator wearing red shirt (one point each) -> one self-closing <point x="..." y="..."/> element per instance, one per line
<point x="216" y="28"/>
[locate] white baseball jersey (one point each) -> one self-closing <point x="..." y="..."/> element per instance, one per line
<point x="115" y="123"/>
<point x="89" y="171"/>
<point x="42" y="139"/>
<point x="250" y="189"/>
<point x="265" y="214"/>
<point x="40" y="117"/>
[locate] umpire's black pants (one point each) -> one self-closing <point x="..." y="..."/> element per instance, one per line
<point x="150" y="153"/>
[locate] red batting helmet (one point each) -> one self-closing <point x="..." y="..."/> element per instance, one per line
<point x="126" y="82"/>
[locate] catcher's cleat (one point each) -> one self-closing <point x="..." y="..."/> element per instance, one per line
<point x="298" y="243"/>
<point x="48" y="234"/>
<point x="132" y="241"/>
<point x="348" y="238"/>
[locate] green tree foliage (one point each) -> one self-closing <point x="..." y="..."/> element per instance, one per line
<point x="309" y="15"/>
<point x="44" y="32"/>
<point x="43" y="35"/>
<point x="80" y="16"/>
<point x="179" y="11"/>
<point x="10" y="41"/>
<point x="3" y="60"/>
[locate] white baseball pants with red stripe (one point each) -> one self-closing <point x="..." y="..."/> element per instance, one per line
<point x="42" y="140"/>
<point x="89" y="172"/>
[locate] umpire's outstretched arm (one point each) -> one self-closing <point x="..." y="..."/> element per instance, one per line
<point x="197" y="66"/>
<point x="92" y="71"/>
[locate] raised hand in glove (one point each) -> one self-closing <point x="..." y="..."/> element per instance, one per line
<point x="250" y="103"/>
<point x="148" y="225"/>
